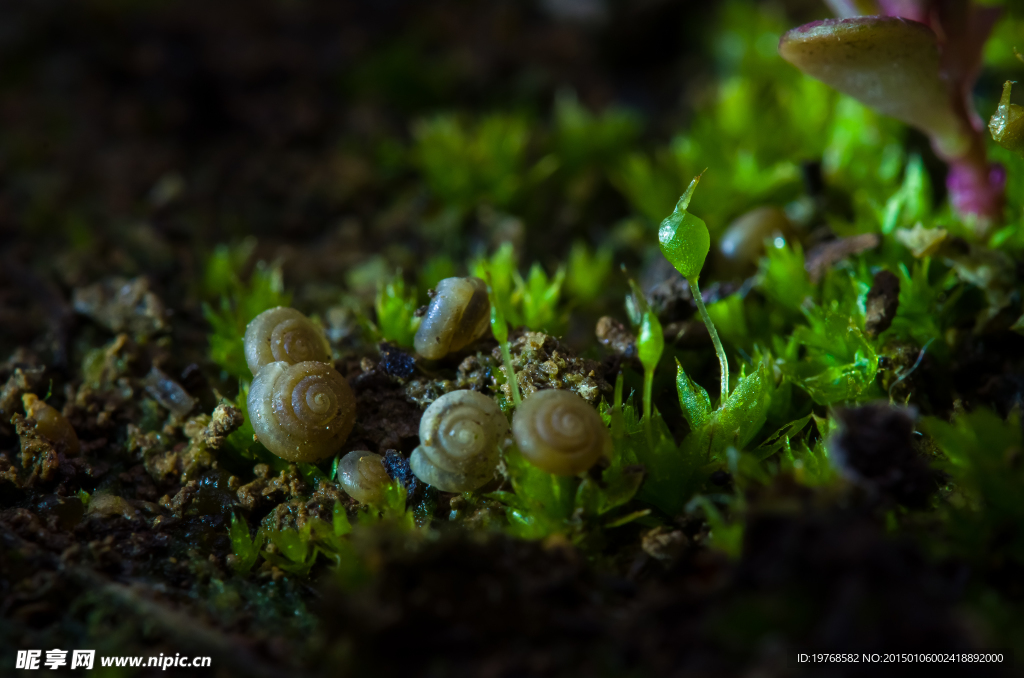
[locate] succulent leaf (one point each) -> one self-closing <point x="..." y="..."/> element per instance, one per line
<point x="888" y="63"/>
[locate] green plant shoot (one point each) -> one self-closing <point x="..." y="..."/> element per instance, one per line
<point x="685" y="242"/>
<point x="499" y="326"/>
<point x="396" y="311"/>
<point x="650" y="344"/>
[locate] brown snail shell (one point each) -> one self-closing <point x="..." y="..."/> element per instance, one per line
<point x="459" y="438"/>
<point x="51" y="424"/>
<point x="362" y="475"/>
<point x="458" y="315"/>
<point x="283" y="334"/>
<point x="559" y="432"/>
<point x="742" y="243"/>
<point x="301" y="412"/>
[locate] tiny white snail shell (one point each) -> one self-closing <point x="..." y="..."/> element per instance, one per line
<point x="458" y="315"/>
<point x="362" y="475"/>
<point x="459" y="437"/>
<point x="301" y="412"/>
<point x="558" y="432"/>
<point x="283" y="334"/>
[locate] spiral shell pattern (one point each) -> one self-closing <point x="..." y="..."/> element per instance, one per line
<point x="458" y="315"/>
<point x="301" y="412"/>
<point x="459" y="438"/>
<point x="558" y="432"/>
<point x="283" y="334"/>
<point x="362" y="475"/>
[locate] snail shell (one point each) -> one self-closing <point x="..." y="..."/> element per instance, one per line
<point x="283" y="334"/>
<point x="742" y="244"/>
<point x="558" y="432"/>
<point x="459" y="437"/>
<point x="301" y="412"/>
<point x="458" y="314"/>
<point x="51" y="424"/>
<point x="362" y="476"/>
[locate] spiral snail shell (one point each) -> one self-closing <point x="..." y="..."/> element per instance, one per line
<point x="459" y="437"/>
<point x="558" y="432"/>
<point x="458" y="314"/>
<point x="301" y="412"/>
<point x="283" y="334"/>
<point x="362" y="476"/>
<point x="51" y="424"/>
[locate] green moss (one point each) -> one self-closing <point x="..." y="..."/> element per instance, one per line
<point x="466" y="165"/>
<point x="396" y="307"/>
<point x="240" y="302"/>
<point x="981" y="451"/>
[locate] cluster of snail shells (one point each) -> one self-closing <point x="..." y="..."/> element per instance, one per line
<point x="461" y="434"/>
<point x="459" y="313"/>
<point x="300" y="407"/>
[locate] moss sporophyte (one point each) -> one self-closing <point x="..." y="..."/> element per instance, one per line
<point x="685" y="242"/>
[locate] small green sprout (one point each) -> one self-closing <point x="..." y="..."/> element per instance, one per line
<point x="685" y="242"/>
<point x="540" y="296"/>
<point x="240" y="302"/>
<point x="650" y="344"/>
<point x="246" y="548"/>
<point x="396" y="309"/>
<point x="912" y="202"/>
<point x="587" y="272"/>
<point x="693" y="399"/>
<point x="499" y="270"/>
<point x="499" y="326"/>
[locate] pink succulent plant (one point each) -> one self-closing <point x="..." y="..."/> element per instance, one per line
<point x="916" y="61"/>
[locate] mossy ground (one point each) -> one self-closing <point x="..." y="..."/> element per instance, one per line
<point x="172" y="169"/>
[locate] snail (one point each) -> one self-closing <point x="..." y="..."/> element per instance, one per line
<point x="742" y="243"/>
<point x="362" y="475"/>
<point x="458" y="314"/>
<point x="51" y="424"/>
<point x="558" y="432"/>
<point x="301" y="412"/>
<point x="283" y="334"/>
<point x="459" y="437"/>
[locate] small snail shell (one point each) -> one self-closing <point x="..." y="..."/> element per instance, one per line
<point x="362" y="475"/>
<point x="283" y="334"/>
<point x="51" y="424"/>
<point x="742" y="243"/>
<point x="458" y="314"/>
<point x="459" y="437"/>
<point x="558" y="432"/>
<point x="301" y="412"/>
